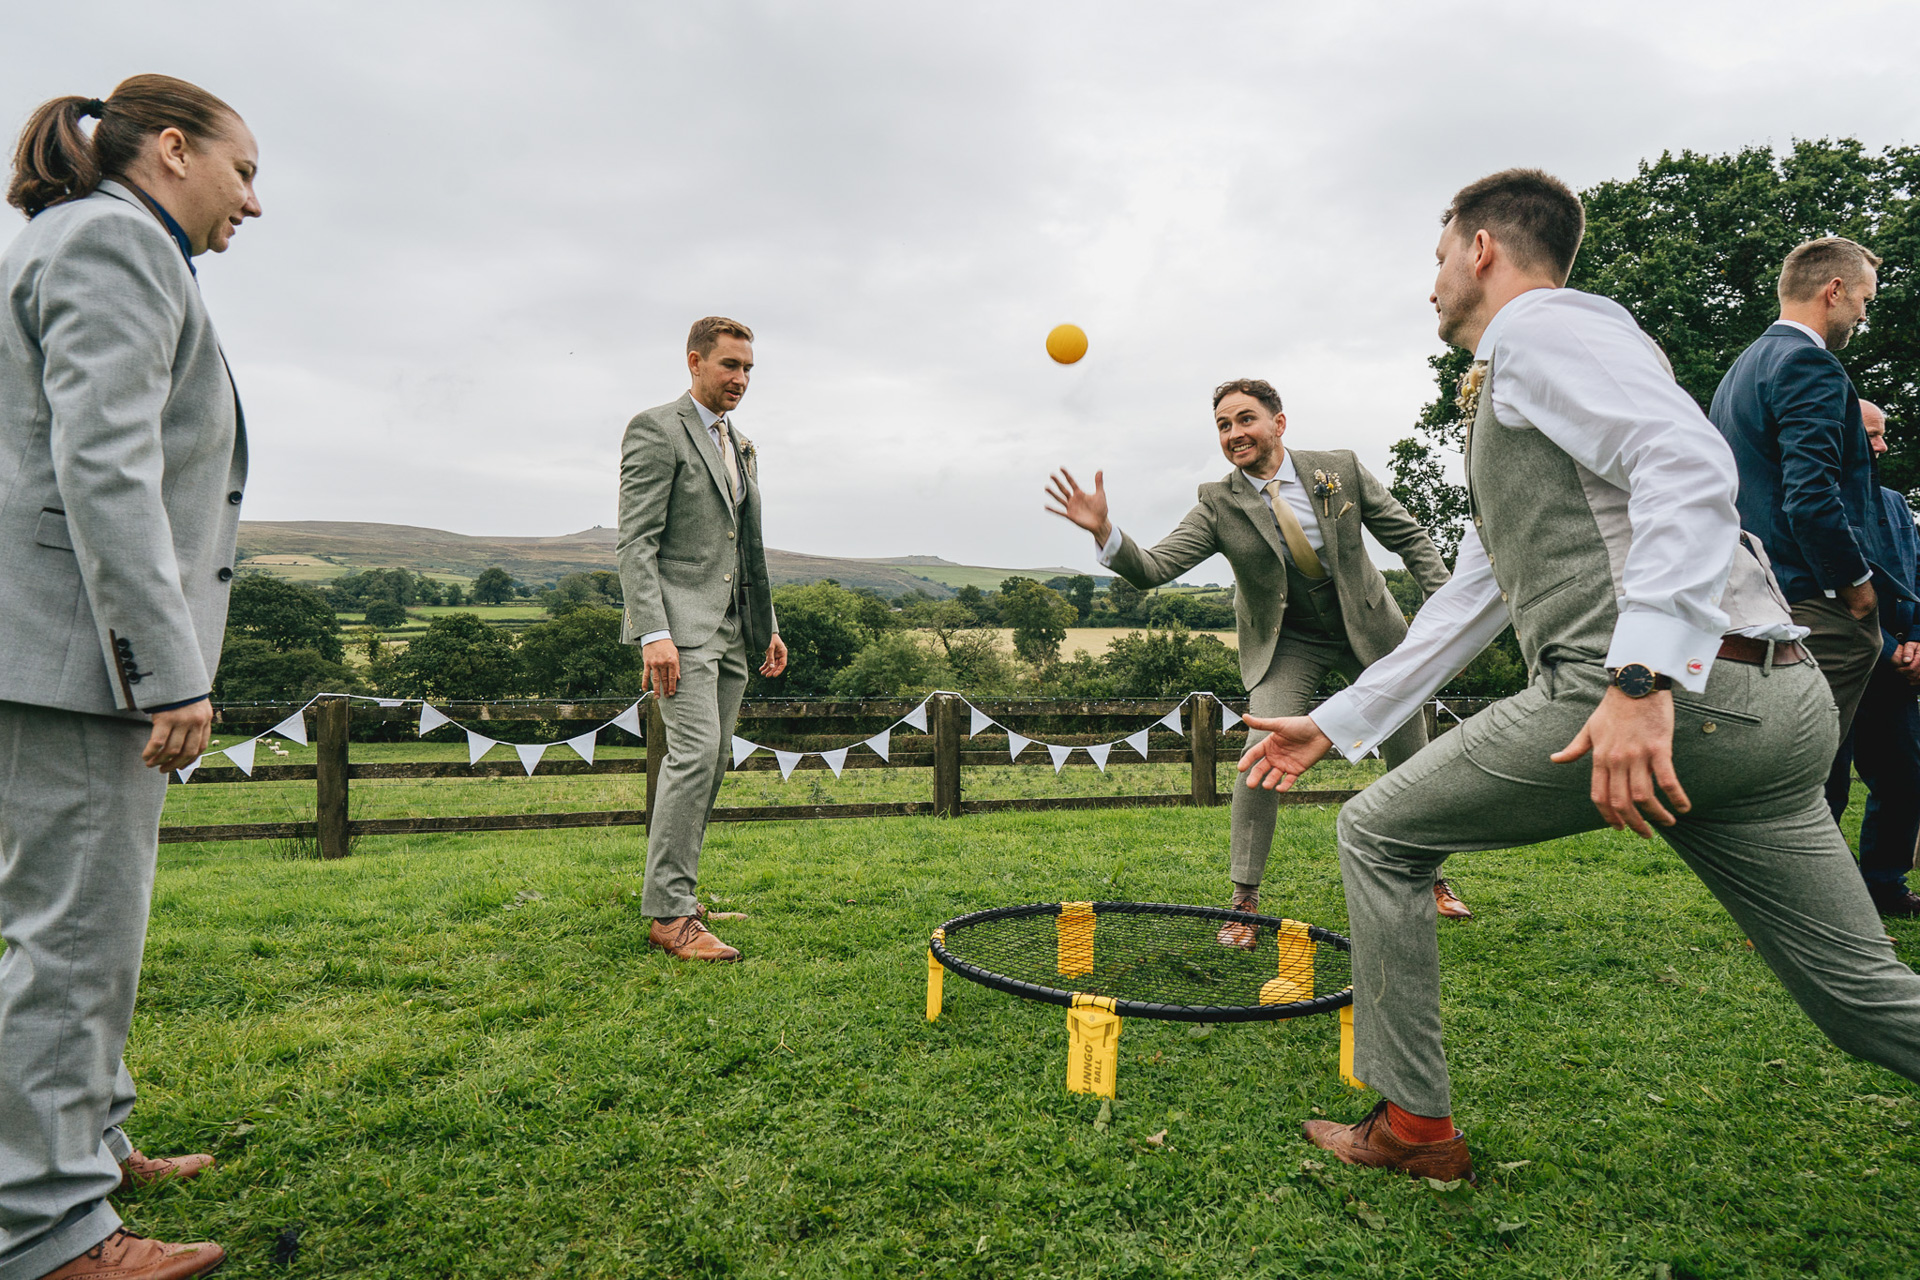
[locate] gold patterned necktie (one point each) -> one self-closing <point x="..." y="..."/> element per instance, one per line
<point x="1297" y="545"/>
<point x="728" y="456"/>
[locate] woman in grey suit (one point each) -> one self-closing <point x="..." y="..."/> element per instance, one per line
<point x="122" y="464"/>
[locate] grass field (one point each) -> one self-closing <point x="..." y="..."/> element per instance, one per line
<point x="455" y="1056"/>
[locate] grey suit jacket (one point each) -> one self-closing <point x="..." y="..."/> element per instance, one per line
<point x="685" y="550"/>
<point x="122" y="461"/>
<point x="1232" y="519"/>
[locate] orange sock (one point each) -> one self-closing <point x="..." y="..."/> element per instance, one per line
<point x="1412" y="1128"/>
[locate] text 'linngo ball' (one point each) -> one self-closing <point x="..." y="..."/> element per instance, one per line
<point x="1067" y="343"/>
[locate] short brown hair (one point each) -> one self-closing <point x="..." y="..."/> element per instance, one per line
<point x="1815" y="264"/>
<point x="1259" y="388"/>
<point x="1534" y="214"/>
<point x="706" y="331"/>
<point x="55" y="162"/>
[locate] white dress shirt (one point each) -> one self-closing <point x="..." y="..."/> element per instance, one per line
<point x="710" y="420"/>
<point x="1291" y="488"/>
<point x="1575" y="367"/>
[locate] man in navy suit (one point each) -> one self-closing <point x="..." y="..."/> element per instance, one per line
<point x="1885" y="744"/>
<point x="1808" y="488"/>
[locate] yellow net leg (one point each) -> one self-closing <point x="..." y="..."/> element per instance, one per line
<point x="936" y="972"/>
<point x="1294" y="981"/>
<point x="1346" y="1048"/>
<point x="1093" y="1045"/>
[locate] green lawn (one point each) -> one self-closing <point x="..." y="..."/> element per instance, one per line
<point x="455" y="1056"/>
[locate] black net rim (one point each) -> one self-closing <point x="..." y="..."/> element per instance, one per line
<point x="1141" y="1008"/>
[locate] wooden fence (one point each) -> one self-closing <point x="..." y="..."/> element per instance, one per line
<point x="942" y="750"/>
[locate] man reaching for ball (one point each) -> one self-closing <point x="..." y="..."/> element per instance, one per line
<point x="1667" y="682"/>
<point x="1309" y="601"/>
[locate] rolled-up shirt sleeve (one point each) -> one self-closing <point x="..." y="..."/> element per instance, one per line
<point x="1455" y="624"/>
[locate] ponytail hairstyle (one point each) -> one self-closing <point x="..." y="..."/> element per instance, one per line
<point x="55" y="162"/>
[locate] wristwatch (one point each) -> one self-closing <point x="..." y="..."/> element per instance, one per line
<point x="1637" y="680"/>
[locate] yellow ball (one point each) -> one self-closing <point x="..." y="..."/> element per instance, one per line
<point x="1067" y="343"/>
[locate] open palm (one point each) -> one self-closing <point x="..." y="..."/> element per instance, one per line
<point x="1293" y="745"/>
<point x="1086" y="509"/>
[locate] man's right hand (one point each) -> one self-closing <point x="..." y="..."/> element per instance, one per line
<point x="1293" y="745"/>
<point x="1860" y="600"/>
<point x="1088" y="510"/>
<point x="662" y="674"/>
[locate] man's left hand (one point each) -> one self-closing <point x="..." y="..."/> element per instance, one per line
<point x="1632" y="744"/>
<point x="776" y="659"/>
<point x="1906" y="660"/>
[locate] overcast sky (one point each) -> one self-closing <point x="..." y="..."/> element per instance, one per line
<point x="489" y="225"/>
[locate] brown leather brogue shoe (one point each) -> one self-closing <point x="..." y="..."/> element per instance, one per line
<point x="139" y="1170"/>
<point x="1449" y="902"/>
<point x="1233" y="933"/>
<point x="126" y="1256"/>
<point x="687" y="938"/>
<point x="1894" y="899"/>
<point x="1371" y="1143"/>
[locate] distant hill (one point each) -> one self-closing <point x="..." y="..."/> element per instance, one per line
<point x="319" y="549"/>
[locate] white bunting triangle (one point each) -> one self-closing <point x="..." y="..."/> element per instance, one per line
<point x="1059" y="755"/>
<point x="1172" y="721"/>
<point x="1227" y="718"/>
<point x="391" y="702"/>
<point x="629" y="720"/>
<point x="1099" y="754"/>
<point x="881" y="743"/>
<point x="788" y="760"/>
<point x="431" y="718"/>
<point x="742" y="749"/>
<point x="1138" y="741"/>
<point x="1016" y="744"/>
<point x="836" y="759"/>
<point x="241" y="753"/>
<point x="293" y="728"/>
<point x="530" y="753"/>
<point x="478" y="744"/>
<point x="981" y="720"/>
<point x="583" y="745"/>
<point x="185" y="771"/>
<point x="917" y="717"/>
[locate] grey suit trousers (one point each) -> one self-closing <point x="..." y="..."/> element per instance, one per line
<point x="1846" y="648"/>
<point x="700" y="717"/>
<point x="1752" y="752"/>
<point x="1301" y="660"/>
<point x="79" y="821"/>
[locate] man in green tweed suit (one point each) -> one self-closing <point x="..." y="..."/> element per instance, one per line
<point x="694" y="575"/>
<point x="1308" y="599"/>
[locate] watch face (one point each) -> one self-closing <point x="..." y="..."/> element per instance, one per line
<point x="1634" y="680"/>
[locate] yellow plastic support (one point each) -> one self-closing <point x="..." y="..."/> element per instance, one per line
<point x="1093" y="1045"/>
<point x="1346" y="1048"/>
<point x="1073" y="929"/>
<point x="1295" y="979"/>
<point x="936" y="972"/>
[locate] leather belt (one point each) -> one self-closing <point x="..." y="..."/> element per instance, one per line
<point x="1747" y="649"/>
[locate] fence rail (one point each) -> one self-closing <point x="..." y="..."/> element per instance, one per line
<point x="940" y="750"/>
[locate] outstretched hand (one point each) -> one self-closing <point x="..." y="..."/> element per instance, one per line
<point x="1632" y="744"/>
<point x="1293" y="745"/>
<point x="1088" y="510"/>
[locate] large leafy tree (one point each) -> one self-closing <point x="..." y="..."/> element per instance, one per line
<point x="1691" y="245"/>
<point x="1039" y="617"/>
<point x="459" y="656"/>
<point x="284" y="615"/>
<point x="579" y="655"/>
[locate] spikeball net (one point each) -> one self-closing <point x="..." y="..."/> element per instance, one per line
<point x="1109" y="960"/>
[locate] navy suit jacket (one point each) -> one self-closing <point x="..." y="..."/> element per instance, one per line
<point x="1808" y="486"/>
<point x="1899" y="619"/>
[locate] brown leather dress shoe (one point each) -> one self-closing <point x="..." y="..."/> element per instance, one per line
<point x="1894" y="899"/>
<point x="139" y="1170"/>
<point x="688" y="938"/>
<point x="126" y="1256"/>
<point x="1449" y="902"/>
<point x="1371" y="1143"/>
<point x="1233" y="933"/>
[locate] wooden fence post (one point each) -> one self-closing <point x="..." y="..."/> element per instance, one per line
<point x="946" y="756"/>
<point x="330" y="776"/>
<point x="1206" y="720"/>
<point x="656" y="750"/>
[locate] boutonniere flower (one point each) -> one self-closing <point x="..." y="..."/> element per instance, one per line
<point x="1470" y="383"/>
<point x="1325" y="485"/>
<point x="747" y="452"/>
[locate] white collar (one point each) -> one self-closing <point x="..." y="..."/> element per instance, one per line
<point x="1806" y="329"/>
<point x="707" y="416"/>
<point x="1285" y="475"/>
<point x="1514" y="306"/>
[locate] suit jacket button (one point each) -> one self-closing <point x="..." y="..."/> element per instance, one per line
<point x="234" y="497"/>
<point x="726" y="577"/>
<point x="225" y="574"/>
<point x="729" y="533"/>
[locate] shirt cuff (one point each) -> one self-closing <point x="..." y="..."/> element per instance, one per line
<point x="651" y="636"/>
<point x="1666" y="646"/>
<point x="1863" y="578"/>
<point x="1351" y="733"/>
<point x="1111" y="549"/>
<point x="175" y="706"/>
